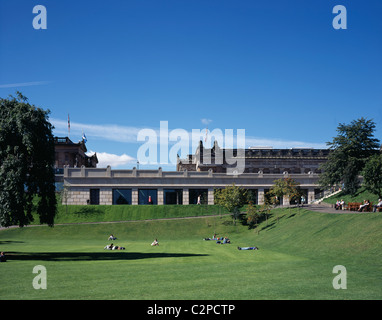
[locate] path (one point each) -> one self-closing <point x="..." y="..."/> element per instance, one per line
<point x="322" y="208"/>
<point x="120" y="221"/>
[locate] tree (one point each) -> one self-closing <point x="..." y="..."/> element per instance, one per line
<point x="26" y="163"/>
<point x="350" y="150"/>
<point x="285" y="187"/>
<point x="256" y="214"/>
<point x="372" y="174"/>
<point x="232" y="198"/>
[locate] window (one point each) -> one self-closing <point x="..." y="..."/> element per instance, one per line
<point x="194" y="194"/>
<point x="145" y="195"/>
<point x="121" y="196"/>
<point x="94" y="196"/>
<point x="173" y="196"/>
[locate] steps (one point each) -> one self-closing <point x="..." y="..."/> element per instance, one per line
<point x="318" y="201"/>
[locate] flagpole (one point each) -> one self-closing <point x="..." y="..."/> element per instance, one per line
<point x="68" y="126"/>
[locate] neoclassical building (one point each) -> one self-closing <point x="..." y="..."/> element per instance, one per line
<point x="105" y="186"/>
<point x="196" y="177"/>
<point x="69" y="153"/>
<point x="256" y="159"/>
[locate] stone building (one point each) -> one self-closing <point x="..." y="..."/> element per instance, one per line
<point x="264" y="160"/>
<point x="115" y="187"/>
<point x="68" y="153"/>
<point x="197" y="177"/>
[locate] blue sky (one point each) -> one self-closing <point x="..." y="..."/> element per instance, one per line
<point x="277" y="69"/>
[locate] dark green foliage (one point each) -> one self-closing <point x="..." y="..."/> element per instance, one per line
<point x="351" y="148"/>
<point x="372" y="174"/>
<point x="26" y="163"/>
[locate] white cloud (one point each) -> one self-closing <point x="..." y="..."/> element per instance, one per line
<point x="24" y="84"/>
<point x="281" y="144"/>
<point x="110" y="132"/>
<point x="109" y="159"/>
<point x="128" y="134"/>
<point x="206" y="121"/>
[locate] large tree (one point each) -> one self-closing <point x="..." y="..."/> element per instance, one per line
<point x="26" y="163"/>
<point x="285" y="187"/>
<point x="350" y="150"/>
<point x="232" y="198"/>
<point x="372" y="174"/>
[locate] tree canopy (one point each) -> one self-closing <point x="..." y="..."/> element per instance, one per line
<point x="232" y="198"/>
<point x="26" y="163"/>
<point x="351" y="149"/>
<point x="372" y="174"/>
<point x="284" y="187"/>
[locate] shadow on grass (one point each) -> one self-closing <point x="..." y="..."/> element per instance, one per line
<point x="93" y="256"/>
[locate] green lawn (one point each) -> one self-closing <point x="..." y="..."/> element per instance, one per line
<point x="298" y="250"/>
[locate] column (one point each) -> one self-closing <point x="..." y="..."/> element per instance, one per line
<point x="186" y="197"/>
<point x="210" y="197"/>
<point x="134" y="196"/>
<point x="260" y="196"/>
<point x="285" y="200"/>
<point x="311" y="195"/>
<point x="160" y="196"/>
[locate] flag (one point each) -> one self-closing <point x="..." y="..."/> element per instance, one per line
<point x="68" y="126"/>
<point x="84" y="137"/>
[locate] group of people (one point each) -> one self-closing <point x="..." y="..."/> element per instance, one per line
<point x="366" y="203"/>
<point x="113" y="247"/>
<point x="223" y="240"/>
<point x="219" y="240"/>
<point x="340" y="205"/>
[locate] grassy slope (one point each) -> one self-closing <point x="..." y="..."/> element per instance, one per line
<point x="298" y="250"/>
<point x="361" y="195"/>
<point x="74" y="214"/>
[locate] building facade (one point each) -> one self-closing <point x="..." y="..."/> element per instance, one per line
<point x="264" y="160"/>
<point x="68" y="153"/>
<point x="105" y="186"/>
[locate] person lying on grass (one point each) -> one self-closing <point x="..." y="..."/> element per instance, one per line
<point x="155" y="243"/>
<point x="225" y="240"/>
<point x="113" y="247"/>
<point x="247" y="248"/>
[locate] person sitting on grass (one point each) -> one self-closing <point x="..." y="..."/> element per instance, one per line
<point x="2" y="257"/>
<point x="226" y="240"/>
<point x="155" y="243"/>
<point x="247" y="248"/>
<point x="112" y="237"/>
<point x="213" y="238"/>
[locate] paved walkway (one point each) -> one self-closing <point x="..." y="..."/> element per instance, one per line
<point x="327" y="208"/>
<point x="120" y="221"/>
